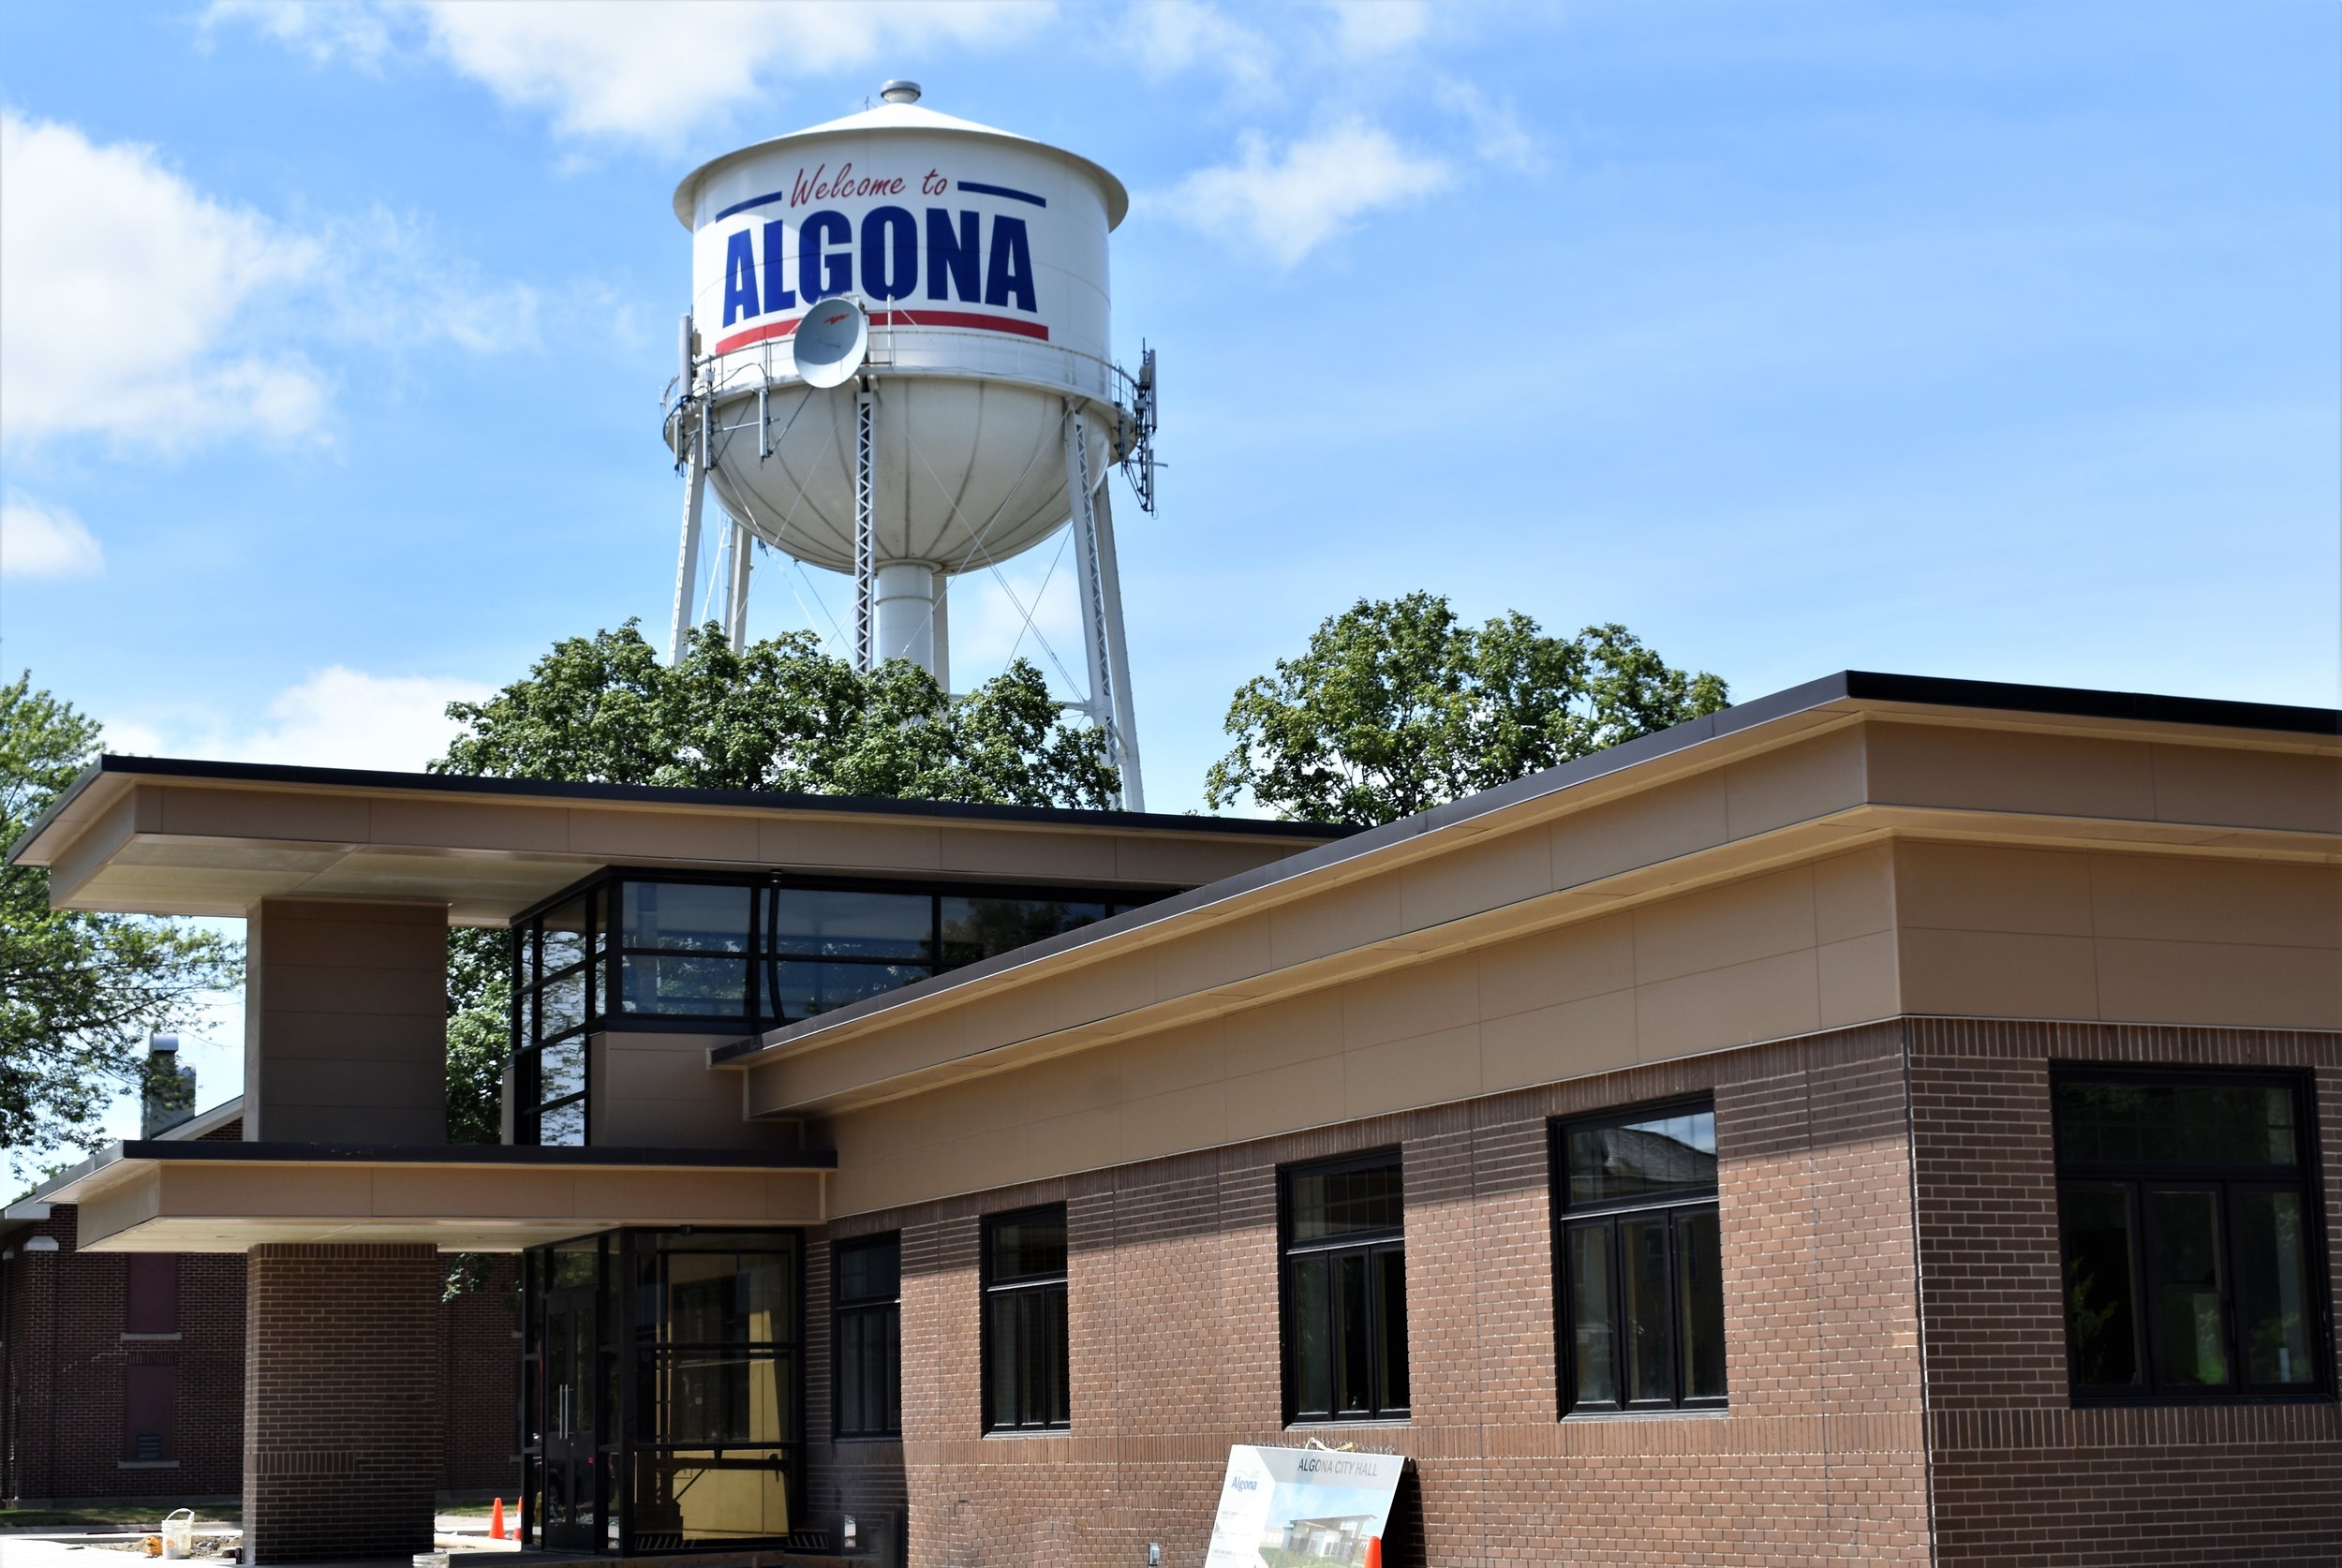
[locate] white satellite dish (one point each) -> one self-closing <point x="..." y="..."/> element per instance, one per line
<point x="832" y="341"/>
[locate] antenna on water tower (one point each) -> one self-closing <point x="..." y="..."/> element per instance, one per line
<point x="901" y="371"/>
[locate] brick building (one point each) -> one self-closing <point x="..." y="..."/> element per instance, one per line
<point x="122" y="1374"/>
<point x="1890" y="1120"/>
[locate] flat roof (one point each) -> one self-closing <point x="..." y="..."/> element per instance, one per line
<point x="1847" y="689"/>
<point x="174" y="837"/>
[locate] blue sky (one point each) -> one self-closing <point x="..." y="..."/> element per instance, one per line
<point x="1997" y="341"/>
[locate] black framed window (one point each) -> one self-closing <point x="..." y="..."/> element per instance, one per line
<point x="1345" y="1290"/>
<point x="2190" y="1225"/>
<point x="1638" y="1256"/>
<point x="866" y="1335"/>
<point x="558" y="990"/>
<point x="1026" y="1379"/>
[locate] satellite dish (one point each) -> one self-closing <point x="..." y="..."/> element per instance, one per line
<point x="832" y="339"/>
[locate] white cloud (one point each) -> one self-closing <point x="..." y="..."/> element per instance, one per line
<point x="1290" y="201"/>
<point x="325" y="32"/>
<point x="135" y="305"/>
<point x="119" y="283"/>
<point x="652" y="72"/>
<point x="1497" y="134"/>
<point x="339" y="717"/>
<point x="1170" y="36"/>
<point x="1368" y="27"/>
<point x="45" y="541"/>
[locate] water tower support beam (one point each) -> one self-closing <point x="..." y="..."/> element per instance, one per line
<point x="864" y="530"/>
<point x="1109" y="705"/>
<point x="736" y="595"/>
<point x="687" y="571"/>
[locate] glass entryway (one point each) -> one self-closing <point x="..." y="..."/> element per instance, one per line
<point x="662" y="1390"/>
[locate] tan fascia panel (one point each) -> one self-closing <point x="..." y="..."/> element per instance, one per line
<point x="1803" y="797"/>
<point x="227" y="1206"/>
<point x="169" y="846"/>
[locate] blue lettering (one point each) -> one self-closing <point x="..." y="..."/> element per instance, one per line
<point x="890" y="253"/>
<point x="952" y="258"/>
<point x="1008" y="277"/>
<point x="739" y="277"/>
<point x="821" y="272"/>
<point x="776" y="295"/>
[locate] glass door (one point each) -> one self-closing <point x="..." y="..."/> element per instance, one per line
<point x="572" y="1495"/>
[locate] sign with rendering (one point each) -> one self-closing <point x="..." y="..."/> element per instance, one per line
<point x="1292" y="1507"/>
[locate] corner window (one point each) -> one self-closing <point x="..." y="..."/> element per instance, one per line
<point x="1638" y="1260"/>
<point x="2189" y="1232"/>
<point x="1345" y="1290"/>
<point x="557" y="970"/>
<point x="1026" y="1383"/>
<point x="865" y="1336"/>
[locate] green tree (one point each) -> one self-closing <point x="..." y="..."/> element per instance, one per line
<point x="79" y="993"/>
<point x="779" y="716"/>
<point x="1397" y="706"/>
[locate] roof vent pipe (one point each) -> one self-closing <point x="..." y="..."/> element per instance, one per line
<point x="900" y="91"/>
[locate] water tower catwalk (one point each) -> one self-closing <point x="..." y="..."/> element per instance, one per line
<point x="898" y="366"/>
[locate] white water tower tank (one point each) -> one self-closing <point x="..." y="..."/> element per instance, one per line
<point x="986" y="398"/>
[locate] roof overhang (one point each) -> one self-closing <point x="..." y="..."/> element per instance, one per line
<point x="170" y="837"/>
<point x="158" y="1196"/>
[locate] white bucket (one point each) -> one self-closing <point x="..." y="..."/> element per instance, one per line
<point x="179" y="1533"/>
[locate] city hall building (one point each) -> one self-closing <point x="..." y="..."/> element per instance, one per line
<point x="1892" y="1121"/>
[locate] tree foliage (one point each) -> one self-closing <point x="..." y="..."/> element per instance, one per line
<point x="1397" y="706"/>
<point x="783" y="715"/>
<point x="778" y="715"/>
<point x="79" y="993"/>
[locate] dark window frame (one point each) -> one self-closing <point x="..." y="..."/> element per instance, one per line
<point x="887" y="1310"/>
<point x="1609" y="1214"/>
<point x="2137" y="1178"/>
<point x="1369" y="1245"/>
<point x="994" y="1289"/>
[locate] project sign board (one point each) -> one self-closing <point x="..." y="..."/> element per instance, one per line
<point x="1301" y="1507"/>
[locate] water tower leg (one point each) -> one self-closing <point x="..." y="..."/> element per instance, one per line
<point x="687" y="571"/>
<point x="1118" y="656"/>
<point x="736" y="595"/>
<point x="1102" y="609"/>
<point x="940" y="630"/>
<point x="864" y="532"/>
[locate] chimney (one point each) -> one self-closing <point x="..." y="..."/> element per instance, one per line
<point x="169" y="1098"/>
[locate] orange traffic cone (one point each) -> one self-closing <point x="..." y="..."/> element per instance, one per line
<point x="1373" y="1551"/>
<point x="495" y="1522"/>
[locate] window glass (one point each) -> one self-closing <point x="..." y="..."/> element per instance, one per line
<point x="1632" y="1160"/>
<point x="1336" y="1202"/>
<point x="561" y="1071"/>
<point x="562" y="1126"/>
<point x="696" y="917"/>
<point x="2274" y="1287"/>
<point x="804" y="989"/>
<point x="867" y="1337"/>
<point x="975" y="928"/>
<point x="869" y="1270"/>
<point x="561" y="1005"/>
<point x="1639" y="1248"/>
<point x="2101" y="1261"/>
<point x="686" y="984"/>
<point x="1346" y="1291"/>
<point x="564" y="928"/>
<point x="2190" y="1334"/>
<point x="1025" y="1343"/>
<point x="2128" y="1122"/>
<point x="826" y="923"/>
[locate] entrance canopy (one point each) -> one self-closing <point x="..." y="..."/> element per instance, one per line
<point x="161" y="1196"/>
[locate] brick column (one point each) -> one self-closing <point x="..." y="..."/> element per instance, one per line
<point x="341" y="1423"/>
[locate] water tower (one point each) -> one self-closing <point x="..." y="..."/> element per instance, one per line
<point x="898" y="366"/>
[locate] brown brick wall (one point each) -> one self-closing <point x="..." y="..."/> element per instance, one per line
<point x="342" y="1453"/>
<point x="62" y="1434"/>
<point x="1175" y="1344"/>
<point x="2021" y="1476"/>
<point x="480" y="1356"/>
